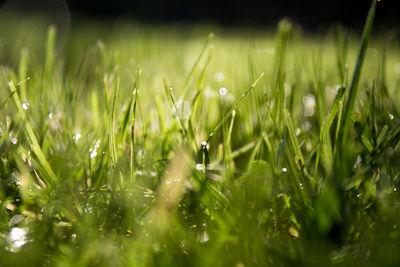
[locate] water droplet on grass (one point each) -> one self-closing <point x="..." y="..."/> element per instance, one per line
<point x="93" y="150"/>
<point x="219" y="76"/>
<point x="204" y="145"/>
<point x="25" y="105"/>
<point x="391" y="116"/>
<point x="88" y="208"/>
<point x="76" y="137"/>
<point x="203" y="238"/>
<point x="358" y="162"/>
<point x="199" y="167"/>
<point x="309" y="105"/>
<point x="13" y="139"/>
<point x="17" y="238"/>
<point x="141" y="153"/>
<point x="284" y="170"/>
<point x="307" y="126"/>
<point x="93" y="153"/>
<point x="223" y="91"/>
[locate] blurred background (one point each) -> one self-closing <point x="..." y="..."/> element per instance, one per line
<point x="311" y="14"/>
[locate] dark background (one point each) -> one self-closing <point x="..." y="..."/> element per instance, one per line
<point x="312" y="14"/>
<point x="309" y="13"/>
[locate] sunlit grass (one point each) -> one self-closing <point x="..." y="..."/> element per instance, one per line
<point x="170" y="146"/>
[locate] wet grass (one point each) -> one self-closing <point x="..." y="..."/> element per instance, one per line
<point x="146" y="146"/>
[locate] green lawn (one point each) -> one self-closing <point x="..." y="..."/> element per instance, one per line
<point x="139" y="145"/>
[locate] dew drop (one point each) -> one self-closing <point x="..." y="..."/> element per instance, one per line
<point x="93" y="150"/>
<point x="199" y="167"/>
<point x="51" y="115"/>
<point x="141" y="153"/>
<point x="219" y="76"/>
<point x="76" y="137"/>
<point x="309" y="105"/>
<point x="97" y="145"/>
<point x="307" y="125"/>
<point x="93" y="153"/>
<point x="203" y="238"/>
<point x="391" y="116"/>
<point x="284" y="169"/>
<point x="17" y="238"/>
<point x="88" y="208"/>
<point x="25" y="105"/>
<point x="204" y="145"/>
<point x="13" y="139"/>
<point x="223" y="91"/>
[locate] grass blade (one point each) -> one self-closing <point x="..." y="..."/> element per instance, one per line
<point x="50" y="177"/>
<point x="293" y="139"/>
<point x="235" y="106"/>
<point x="133" y="103"/>
<point x="112" y="142"/>
<point x="326" y="125"/>
<point x="352" y="94"/>
<point x="196" y="64"/>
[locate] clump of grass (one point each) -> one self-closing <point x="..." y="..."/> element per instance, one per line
<point x="146" y="149"/>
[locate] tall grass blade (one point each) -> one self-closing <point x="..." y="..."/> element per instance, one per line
<point x="134" y="101"/>
<point x="50" y="54"/>
<point x="234" y="107"/>
<point x="293" y="139"/>
<point x="112" y="140"/>
<point x="196" y="64"/>
<point x="326" y="125"/>
<point x="352" y="94"/>
<point x="49" y="176"/>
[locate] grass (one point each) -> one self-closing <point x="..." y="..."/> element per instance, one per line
<point x="170" y="146"/>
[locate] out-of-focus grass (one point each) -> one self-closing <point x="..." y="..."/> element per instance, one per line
<point x="141" y="145"/>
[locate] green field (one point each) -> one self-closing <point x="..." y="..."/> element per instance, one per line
<point x="139" y="145"/>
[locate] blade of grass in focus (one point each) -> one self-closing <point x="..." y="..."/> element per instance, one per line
<point x="133" y="103"/>
<point x="234" y="107"/>
<point x="353" y="89"/>
<point x="49" y="176"/>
